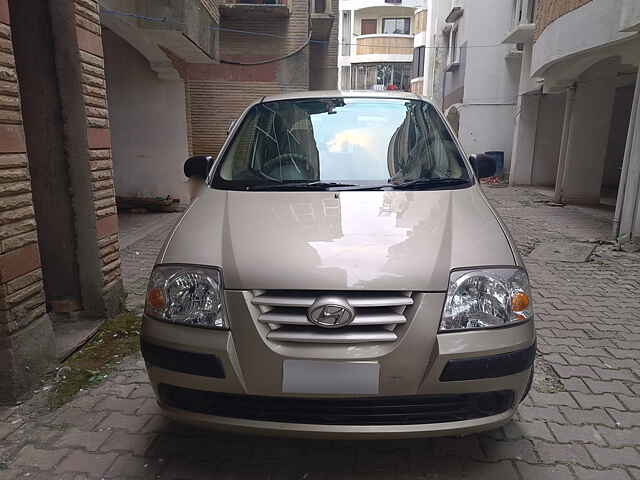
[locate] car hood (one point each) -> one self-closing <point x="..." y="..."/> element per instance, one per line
<point x="357" y="240"/>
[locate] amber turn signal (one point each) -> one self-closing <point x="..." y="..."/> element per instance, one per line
<point x="519" y="302"/>
<point x="155" y="298"/>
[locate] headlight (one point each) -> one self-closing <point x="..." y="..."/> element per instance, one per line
<point x="486" y="298"/>
<point x="187" y="295"/>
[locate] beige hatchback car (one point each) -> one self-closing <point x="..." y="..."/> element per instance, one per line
<point x="340" y="274"/>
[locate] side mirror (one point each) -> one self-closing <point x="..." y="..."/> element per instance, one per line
<point x="483" y="165"/>
<point x="198" y="166"/>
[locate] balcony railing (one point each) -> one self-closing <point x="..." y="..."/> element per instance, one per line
<point x="384" y="45"/>
<point x="264" y="8"/>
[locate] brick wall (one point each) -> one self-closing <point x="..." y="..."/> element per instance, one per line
<point x="547" y="11"/>
<point x="217" y="94"/>
<point x="21" y="289"/>
<point x="99" y="138"/>
<point x="417" y="86"/>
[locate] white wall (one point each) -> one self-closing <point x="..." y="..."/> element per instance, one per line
<point x="588" y="28"/>
<point x="491" y="81"/>
<point x="434" y="57"/>
<point x="548" y="136"/>
<point x="358" y="4"/>
<point x="148" y="125"/>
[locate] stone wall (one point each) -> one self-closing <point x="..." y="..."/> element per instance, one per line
<point x="24" y="355"/>
<point x="94" y="92"/>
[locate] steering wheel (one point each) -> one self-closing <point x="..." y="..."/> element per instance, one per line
<point x="296" y="163"/>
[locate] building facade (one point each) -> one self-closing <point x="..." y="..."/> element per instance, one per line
<point x="467" y="72"/>
<point x="576" y="128"/>
<point x="376" y="44"/>
<point x="102" y="101"/>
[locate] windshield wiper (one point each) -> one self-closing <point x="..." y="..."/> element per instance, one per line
<point x="300" y="186"/>
<point x="428" y="183"/>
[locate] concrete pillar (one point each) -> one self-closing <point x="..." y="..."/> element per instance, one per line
<point x="627" y="216"/>
<point x="27" y="349"/>
<point x="79" y="121"/>
<point x="524" y="139"/>
<point x="526" y="127"/>
<point x="588" y="134"/>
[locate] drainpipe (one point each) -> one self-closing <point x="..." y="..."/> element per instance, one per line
<point x="564" y="144"/>
<point x="617" y="219"/>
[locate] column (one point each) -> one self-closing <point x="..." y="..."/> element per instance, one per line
<point x="27" y="349"/>
<point x="627" y="224"/>
<point x="524" y="139"/>
<point x="588" y="134"/>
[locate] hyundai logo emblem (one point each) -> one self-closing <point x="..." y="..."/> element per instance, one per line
<point x="331" y="312"/>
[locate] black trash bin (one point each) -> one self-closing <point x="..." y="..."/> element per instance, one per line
<point x="499" y="158"/>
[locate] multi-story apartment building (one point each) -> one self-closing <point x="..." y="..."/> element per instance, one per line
<point x="376" y="44"/>
<point x="467" y="71"/>
<point x="577" y="126"/>
<point x="107" y="99"/>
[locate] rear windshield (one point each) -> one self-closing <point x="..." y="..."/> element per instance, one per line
<point x="355" y="141"/>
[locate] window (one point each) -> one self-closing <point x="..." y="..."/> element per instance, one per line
<point x="393" y="1"/>
<point x="346" y="33"/>
<point x="381" y="76"/>
<point x="524" y="11"/>
<point x="368" y="27"/>
<point x="418" y="62"/>
<point x="454" y="54"/>
<point x="398" y="26"/>
<point x="357" y="140"/>
<point x="320" y="6"/>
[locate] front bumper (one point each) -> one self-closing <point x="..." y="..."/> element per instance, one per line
<point x="320" y="431"/>
<point x="243" y="364"/>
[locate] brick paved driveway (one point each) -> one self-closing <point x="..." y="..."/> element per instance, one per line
<point x="582" y="419"/>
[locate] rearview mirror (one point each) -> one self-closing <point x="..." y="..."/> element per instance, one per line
<point x="483" y="165"/>
<point x="198" y="166"/>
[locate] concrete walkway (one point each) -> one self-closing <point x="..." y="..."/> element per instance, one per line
<point x="141" y="236"/>
<point x="581" y="421"/>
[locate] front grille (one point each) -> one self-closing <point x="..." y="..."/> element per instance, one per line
<point x="378" y="314"/>
<point x="408" y="410"/>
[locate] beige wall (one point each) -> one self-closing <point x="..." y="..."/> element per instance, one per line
<point x="420" y="21"/>
<point x="384" y="45"/>
<point x="149" y="125"/>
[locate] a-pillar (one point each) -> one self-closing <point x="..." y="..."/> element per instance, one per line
<point x="587" y="136"/>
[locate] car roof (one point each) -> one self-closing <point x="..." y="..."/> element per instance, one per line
<point x="344" y="94"/>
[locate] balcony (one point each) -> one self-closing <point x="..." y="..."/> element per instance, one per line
<point x="189" y="33"/>
<point x="523" y="22"/>
<point x="255" y="8"/>
<point x="322" y="19"/>
<point x="630" y="21"/>
<point x="392" y="47"/>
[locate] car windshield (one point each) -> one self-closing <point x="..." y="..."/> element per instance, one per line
<point x="341" y="142"/>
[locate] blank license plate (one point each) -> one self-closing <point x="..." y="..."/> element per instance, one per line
<point x="317" y="376"/>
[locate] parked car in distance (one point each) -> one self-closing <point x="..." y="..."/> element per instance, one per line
<point x="340" y="274"/>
